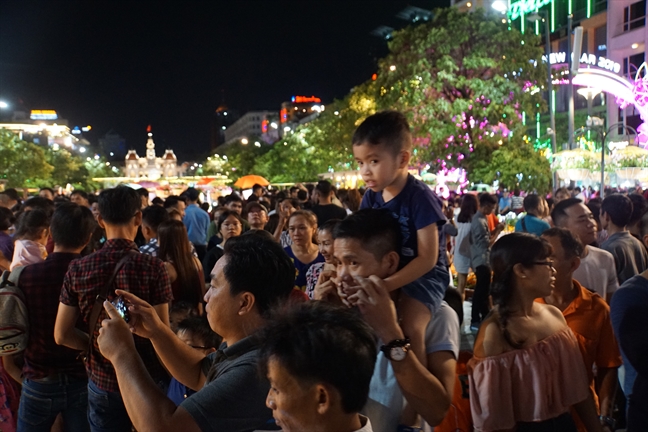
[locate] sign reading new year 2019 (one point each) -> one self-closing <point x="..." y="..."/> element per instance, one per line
<point x="589" y="59"/>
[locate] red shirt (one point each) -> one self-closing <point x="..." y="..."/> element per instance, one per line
<point x="41" y="284"/>
<point x="143" y="275"/>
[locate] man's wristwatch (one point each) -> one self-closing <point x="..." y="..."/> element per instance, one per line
<point x="396" y="350"/>
<point x="608" y="421"/>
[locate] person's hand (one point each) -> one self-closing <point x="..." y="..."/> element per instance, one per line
<point x="346" y="286"/>
<point x="375" y="304"/>
<point x="115" y="338"/>
<point x="326" y="289"/>
<point x="144" y="320"/>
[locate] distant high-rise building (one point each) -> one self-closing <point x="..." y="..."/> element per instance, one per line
<point x="300" y="109"/>
<point x="252" y="123"/>
<point x="222" y="119"/>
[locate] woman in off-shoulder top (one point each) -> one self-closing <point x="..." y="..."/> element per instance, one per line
<point x="527" y="370"/>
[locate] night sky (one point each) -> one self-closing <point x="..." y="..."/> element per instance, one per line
<point x="124" y="64"/>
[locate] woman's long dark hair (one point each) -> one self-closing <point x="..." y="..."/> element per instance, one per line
<point x="174" y="247"/>
<point x="469" y="207"/>
<point x="512" y="249"/>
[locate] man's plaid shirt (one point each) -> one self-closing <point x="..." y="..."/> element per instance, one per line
<point x="143" y="275"/>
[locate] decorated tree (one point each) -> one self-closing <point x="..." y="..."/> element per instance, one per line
<point x="515" y="165"/>
<point x="464" y="80"/>
<point x="21" y="163"/>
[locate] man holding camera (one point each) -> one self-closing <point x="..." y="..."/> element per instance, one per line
<point x="253" y="275"/>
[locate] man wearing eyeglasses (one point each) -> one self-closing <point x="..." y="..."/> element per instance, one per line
<point x="588" y="316"/>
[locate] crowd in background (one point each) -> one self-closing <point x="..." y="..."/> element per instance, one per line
<point x="321" y="309"/>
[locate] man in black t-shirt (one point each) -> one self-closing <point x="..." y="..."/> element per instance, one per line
<point x="325" y="210"/>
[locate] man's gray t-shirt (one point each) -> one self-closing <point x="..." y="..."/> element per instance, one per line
<point x="479" y="241"/>
<point x="234" y="397"/>
<point x="386" y="401"/>
<point x="630" y="256"/>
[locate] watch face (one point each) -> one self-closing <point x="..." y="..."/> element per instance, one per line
<point x="397" y="353"/>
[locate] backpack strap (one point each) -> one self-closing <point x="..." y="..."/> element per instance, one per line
<point x="14" y="276"/>
<point x="99" y="300"/>
<point x="524" y="228"/>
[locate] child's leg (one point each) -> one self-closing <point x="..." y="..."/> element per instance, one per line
<point x="415" y="317"/>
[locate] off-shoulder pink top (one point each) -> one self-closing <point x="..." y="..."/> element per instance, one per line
<point x="536" y="383"/>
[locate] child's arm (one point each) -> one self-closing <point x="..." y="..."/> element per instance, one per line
<point x="428" y="254"/>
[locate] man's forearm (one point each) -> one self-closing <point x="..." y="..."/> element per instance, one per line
<point x="75" y="339"/>
<point x="148" y="408"/>
<point x="182" y="361"/>
<point x="607" y="389"/>
<point x="422" y="390"/>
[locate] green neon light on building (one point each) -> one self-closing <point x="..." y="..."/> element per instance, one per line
<point x="520" y="8"/>
<point x="553" y="17"/>
<point x="538" y="125"/>
<point x="569" y="7"/>
<point x="589" y="8"/>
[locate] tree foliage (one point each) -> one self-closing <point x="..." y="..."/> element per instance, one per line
<point x="21" y="162"/>
<point x="24" y="164"/>
<point x="515" y="165"/>
<point x="463" y="80"/>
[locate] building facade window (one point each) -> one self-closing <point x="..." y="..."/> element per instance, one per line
<point x="634" y="16"/>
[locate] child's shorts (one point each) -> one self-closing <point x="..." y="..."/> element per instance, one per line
<point x="429" y="289"/>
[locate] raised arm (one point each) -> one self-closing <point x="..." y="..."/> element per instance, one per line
<point x="148" y="408"/>
<point x="427" y="390"/>
<point x="182" y="361"/>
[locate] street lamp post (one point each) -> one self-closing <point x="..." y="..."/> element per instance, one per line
<point x="596" y="124"/>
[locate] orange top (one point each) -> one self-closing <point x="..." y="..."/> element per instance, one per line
<point x="588" y="315"/>
<point x="492" y="221"/>
<point x="535" y="383"/>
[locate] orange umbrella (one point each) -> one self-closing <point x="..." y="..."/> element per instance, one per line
<point x="246" y="182"/>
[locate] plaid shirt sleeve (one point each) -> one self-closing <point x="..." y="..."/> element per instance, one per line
<point x="68" y="297"/>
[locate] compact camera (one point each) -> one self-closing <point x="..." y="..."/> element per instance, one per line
<point x="122" y="308"/>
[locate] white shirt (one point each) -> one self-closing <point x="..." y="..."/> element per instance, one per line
<point x="598" y="272"/>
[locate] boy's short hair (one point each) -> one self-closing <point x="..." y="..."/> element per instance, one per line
<point x="153" y="216"/>
<point x="119" y="205"/>
<point x="157" y="201"/>
<point x="40" y="203"/>
<point x="143" y="192"/>
<point x="172" y="201"/>
<point x="531" y="202"/>
<point x="256" y="263"/>
<point x="570" y="243"/>
<point x="81" y="193"/>
<point x="317" y="342"/>
<point x="192" y="194"/>
<point x="233" y="198"/>
<point x="72" y="225"/>
<point x="199" y="327"/>
<point x="559" y="213"/>
<point x="376" y="229"/>
<point x="486" y="198"/>
<point x="388" y="128"/>
<point x="324" y="187"/>
<point x="619" y="208"/>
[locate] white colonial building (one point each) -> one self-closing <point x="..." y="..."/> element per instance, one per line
<point x="151" y="167"/>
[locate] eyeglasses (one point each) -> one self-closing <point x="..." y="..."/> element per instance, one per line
<point x="545" y="263"/>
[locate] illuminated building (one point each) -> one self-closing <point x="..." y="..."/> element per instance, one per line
<point x="300" y="110"/>
<point x="614" y="44"/>
<point x="44" y="127"/>
<point x="250" y="124"/>
<point x="151" y="167"/>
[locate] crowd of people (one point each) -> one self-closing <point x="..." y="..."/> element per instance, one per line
<point x="321" y="309"/>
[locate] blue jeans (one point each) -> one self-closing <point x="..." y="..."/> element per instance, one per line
<point x="42" y="400"/>
<point x="106" y="411"/>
